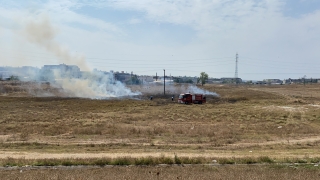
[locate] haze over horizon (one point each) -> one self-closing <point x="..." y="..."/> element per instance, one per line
<point x="274" y="38"/>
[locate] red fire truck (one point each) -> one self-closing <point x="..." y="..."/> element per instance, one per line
<point x="191" y="98"/>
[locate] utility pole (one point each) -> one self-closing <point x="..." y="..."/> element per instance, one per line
<point x="236" y="72"/>
<point x="164" y="81"/>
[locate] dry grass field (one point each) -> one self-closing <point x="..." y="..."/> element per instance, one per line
<point x="281" y="123"/>
<point x="249" y="172"/>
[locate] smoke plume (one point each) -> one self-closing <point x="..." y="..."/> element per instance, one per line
<point x="87" y="84"/>
<point x="171" y="88"/>
<point x="43" y="34"/>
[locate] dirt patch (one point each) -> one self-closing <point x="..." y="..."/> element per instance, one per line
<point x="285" y="108"/>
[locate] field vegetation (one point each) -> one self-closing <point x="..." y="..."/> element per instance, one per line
<point x="246" y="123"/>
<point x="164" y="172"/>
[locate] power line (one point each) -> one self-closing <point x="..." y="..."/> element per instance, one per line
<point x="187" y="64"/>
<point x="289" y="66"/>
<point x="282" y="67"/>
<point x="184" y="60"/>
<point x="120" y="59"/>
<point x="272" y="61"/>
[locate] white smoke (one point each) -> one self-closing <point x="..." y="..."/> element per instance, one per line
<point x="196" y="90"/>
<point x="93" y="84"/>
<point x="42" y="33"/>
<point x="89" y="84"/>
<point x="174" y="89"/>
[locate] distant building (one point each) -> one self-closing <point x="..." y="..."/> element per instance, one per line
<point x="231" y="80"/>
<point x="185" y="79"/>
<point x="5" y="75"/>
<point x="214" y="81"/>
<point x="122" y="76"/>
<point x="22" y="73"/>
<point x="145" y="79"/>
<point x="71" y="71"/>
<point x="7" y="72"/>
<point x="102" y="75"/>
<point x="260" y="82"/>
<point x="301" y="81"/>
<point x="273" y="81"/>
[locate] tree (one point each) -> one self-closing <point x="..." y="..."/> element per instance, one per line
<point x="189" y="81"/>
<point x="176" y="80"/>
<point x="249" y="82"/>
<point x="203" y="77"/>
<point x="133" y="80"/>
<point x="14" y="78"/>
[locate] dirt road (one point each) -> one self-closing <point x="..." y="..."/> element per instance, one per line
<point x="246" y="150"/>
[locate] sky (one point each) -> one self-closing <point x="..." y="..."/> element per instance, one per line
<point x="273" y="38"/>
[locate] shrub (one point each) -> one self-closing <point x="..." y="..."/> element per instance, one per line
<point x="265" y="159"/>
<point x="249" y="160"/>
<point x="226" y="161"/>
<point x="166" y="160"/>
<point x="67" y="163"/>
<point x="177" y="160"/>
<point x="101" y="162"/>
<point x="145" y="161"/>
<point x="122" y="161"/>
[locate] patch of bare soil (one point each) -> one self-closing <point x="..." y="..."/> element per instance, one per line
<point x="167" y="153"/>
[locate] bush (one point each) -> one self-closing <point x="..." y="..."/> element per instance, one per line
<point x="166" y="160"/>
<point x="249" y="160"/>
<point x="101" y="162"/>
<point x="226" y="161"/>
<point x="145" y="161"/>
<point x="177" y="160"/>
<point x="67" y="163"/>
<point x="265" y="159"/>
<point x="122" y="161"/>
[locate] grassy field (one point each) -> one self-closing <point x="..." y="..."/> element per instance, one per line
<point x="164" y="172"/>
<point x="278" y="122"/>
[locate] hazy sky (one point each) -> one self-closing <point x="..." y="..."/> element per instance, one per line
<point x="274" y="38"/>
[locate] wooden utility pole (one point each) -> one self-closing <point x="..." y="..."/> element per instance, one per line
<point x="164" y="81"/>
